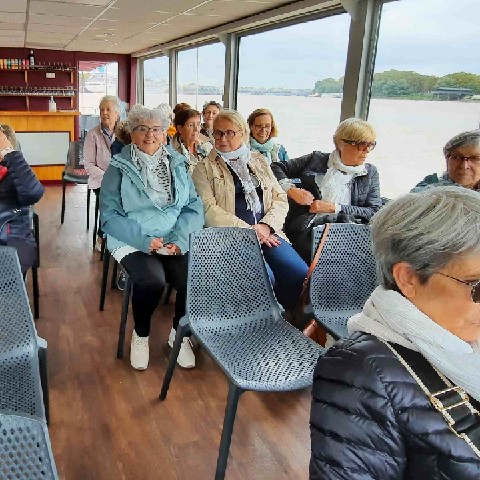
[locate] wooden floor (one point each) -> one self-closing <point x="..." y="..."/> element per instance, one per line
<point x="106" y="420"/>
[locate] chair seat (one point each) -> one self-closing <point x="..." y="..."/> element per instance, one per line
<point x="334" y="322"/>
<point x="267" y="355"/>
<point x="68" y="177"/>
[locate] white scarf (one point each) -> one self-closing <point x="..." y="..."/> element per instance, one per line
<point x="240" y="167"/>
<point x="391" y="317"/>
<point x="335" y="185"/>
<point x="155" y="173"/>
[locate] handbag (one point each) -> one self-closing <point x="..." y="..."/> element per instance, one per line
<point x="462" y="418"/>
<point x="6" y="217"/>
<point x="311" y="328"/>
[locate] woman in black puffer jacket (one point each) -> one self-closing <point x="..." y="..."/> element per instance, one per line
<point x="19" y="188"/>
<point x="370" y="418"/>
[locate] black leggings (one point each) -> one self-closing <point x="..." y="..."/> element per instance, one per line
<point x="150" y="273"/>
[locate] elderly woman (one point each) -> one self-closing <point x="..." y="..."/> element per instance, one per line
<point x="19" y="188"/>
<point x="378" y="410"/>
<point x="238" y="189"/>
<point x="210" y="111"/>
<point x="334" y="182"/>
<point x="187" y="139"/>
<point x="149" y="207"/>
<point x="263" y="129"/>
<point x="97" y="145"/>
<point x="462" y="154"/>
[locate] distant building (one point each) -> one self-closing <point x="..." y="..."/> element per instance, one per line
<point x="451" y="93"/>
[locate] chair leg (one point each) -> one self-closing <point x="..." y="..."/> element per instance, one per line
<point x="103" y="291"/>
<point x="88" y="207"/>
<point x="42" y="361"/>
<point x="182" y="331"/>
<point x="113" y="283"/>
<point x="62" y="215"/>
<point x="96" y="221"/>
<point x="123" y="319"/>
<point x="234" y="393"/>
<point x="102" y="250"/>
<point x="36" y="293"/>
<point x="168" y="294"/>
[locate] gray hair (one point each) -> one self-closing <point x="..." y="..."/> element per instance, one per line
<point x="167" y="109"/>
<point x="139" y="113"/>
<point x="472" y="137"/>
<point x="426" y="230"/>
<point x="114" y="100"/>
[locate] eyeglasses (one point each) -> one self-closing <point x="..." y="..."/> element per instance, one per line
<point x="143" y="129"/>
<point x="218" y="134"/>
<point x="362" y="145"/>
<point x="460" y="158"/>
<point x="475" y="286"/>
<point x="262" y="127"/>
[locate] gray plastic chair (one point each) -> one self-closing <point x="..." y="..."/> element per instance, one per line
<point x="232" y="311"/>
<point x="25" y="451"/>
<point x="21" y="372"/>
<point x="344" y="277"/>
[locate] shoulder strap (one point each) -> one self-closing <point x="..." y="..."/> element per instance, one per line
<point x="451" y="401"/>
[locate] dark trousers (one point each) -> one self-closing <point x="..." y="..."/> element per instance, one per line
<point x="96" y="191"/>
<point x="150" y="274"/>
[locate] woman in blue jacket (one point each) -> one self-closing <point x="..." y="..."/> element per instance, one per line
<point x="149" y="207"/>
<point x="19" y="189"/>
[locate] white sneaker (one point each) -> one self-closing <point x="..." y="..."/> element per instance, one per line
<point x="139" y="352"/>
<point x="186" y="357"/>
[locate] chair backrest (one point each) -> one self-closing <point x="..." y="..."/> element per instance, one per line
<point x="25" y="450"/>
<point x="345" y="275"/>
<point x="227" y="280"/>
<point x="20" y="388"/>
<point x="74" y="165"/>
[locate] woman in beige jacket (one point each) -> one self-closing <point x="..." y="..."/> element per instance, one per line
<point x="238" y="189"/>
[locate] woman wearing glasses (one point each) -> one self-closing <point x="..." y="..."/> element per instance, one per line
<point x="462" y="154"/>
<point x="238" y="189"/>
<point x="263" y="129"/>
<point x="148" y="208"/>
<point x="334" y="182"/>
<point x="391" y="401"/>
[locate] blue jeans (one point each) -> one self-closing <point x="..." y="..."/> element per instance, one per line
<point x="287" y="272"/>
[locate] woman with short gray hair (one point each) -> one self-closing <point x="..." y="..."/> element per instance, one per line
<point x="149" y="207"/>
<point x="399" y="399"/>
<point x="462" y="154"/>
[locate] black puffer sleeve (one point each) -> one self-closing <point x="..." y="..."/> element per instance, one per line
<point x="29" y="190"/>
<point x="354" y="433"/>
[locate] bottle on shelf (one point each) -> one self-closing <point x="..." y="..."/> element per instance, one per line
<point x="31" y="58"/>
<point x="52" y="106"/>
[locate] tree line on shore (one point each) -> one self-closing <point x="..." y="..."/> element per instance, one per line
<point x="397" y="83"/>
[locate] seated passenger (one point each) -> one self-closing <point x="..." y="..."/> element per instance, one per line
<point x="370" y="417"/>
<point x="263" y="129"/>
<point x="122" y="138"/>
<point x="209" y="112"/>
<point x="334" y="182"/>
<point x="97" y="148"/>
<point x="149" y="207"/>
<point x="462" y="154"/>
<point x="238" y="189"/>
<point x="165" y="107"/>
<point x="19" y="188"/>
<point x="187" y="139"/>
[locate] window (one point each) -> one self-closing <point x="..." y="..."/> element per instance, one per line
<point x="155" y="81"/>
<point x="96" y="79"/>
<point x="297" y="73"/>
<point x="200" y="75"/>
<point x="427" y="77"/>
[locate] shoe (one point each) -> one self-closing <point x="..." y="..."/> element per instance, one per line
<point x="139" y="352"/>
<point x="121" y="280"/>
<point x="186" y="357"/>
<point x="98" y="244"/>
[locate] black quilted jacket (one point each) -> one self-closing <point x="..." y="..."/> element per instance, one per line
<point x="370" y="420"/>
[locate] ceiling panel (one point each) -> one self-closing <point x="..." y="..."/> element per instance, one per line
<point x="66" y="9"/>
<point x="58" y="20"/>
<point x="39" y="27"/>
<point x="8" y="33"/>
<point x="8" y="17"/>
<point x="136" y="15"/>
<point x="13" y="6"/>
<point x="12" y="26"/>
<point x="8" y="42"/>
<point x="84" y="2"/>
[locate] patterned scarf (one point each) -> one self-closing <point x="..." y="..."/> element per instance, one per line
<point x="238" y="161"/>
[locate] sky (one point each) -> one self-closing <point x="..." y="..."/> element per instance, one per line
<point x="432" y="37"/>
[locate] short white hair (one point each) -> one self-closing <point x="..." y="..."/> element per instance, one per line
<point x="138" y="113"/>
<point x="114" y="100"/>
<point x="427" y="230"/>
<point x="167" y="109"/>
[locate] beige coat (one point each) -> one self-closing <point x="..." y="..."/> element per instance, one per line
<point x="215" y="185"/>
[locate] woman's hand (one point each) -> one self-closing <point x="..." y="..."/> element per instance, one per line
<point x="300" y="196"/>
<point x="156" y="244"/>
<point x="4" y="143"/>
<point x="173" y="249"/>
<point x="263" y="231"/>
<point x="272" y="241"/>
<point x="321" y="206"/>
